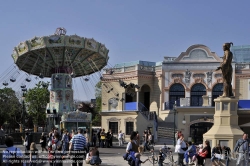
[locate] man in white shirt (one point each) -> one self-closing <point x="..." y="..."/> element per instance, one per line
<point x="120" y="138"/>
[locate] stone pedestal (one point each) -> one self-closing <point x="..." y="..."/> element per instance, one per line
<point x="225" y="130"/>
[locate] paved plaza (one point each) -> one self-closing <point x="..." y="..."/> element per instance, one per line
<point x="111" y="156"/>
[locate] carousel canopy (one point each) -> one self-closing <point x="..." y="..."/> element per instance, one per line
<point x="60" y="53"/>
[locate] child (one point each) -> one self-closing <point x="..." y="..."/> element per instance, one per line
<point x="161" y="157"/>
<point x="200" y="148"/>
<point x="88" y="156"/>
<point x="138" y="155"/>
<point x="95" y="159"/>
<point x="33" y="154"/>
<point x="138" y="160"/>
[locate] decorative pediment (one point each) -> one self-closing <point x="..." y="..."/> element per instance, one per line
<point x="199" y="75"/>
<point x="177" y="80"/>
<point x="199" y="80"/>
<point x="218" y="75"/>
<point x="219" y="80"/>
<point x="113" y="119"/>
<point x="129" y="119"/>
<point x="177" y="75"/>
<point x="198" y="53"/>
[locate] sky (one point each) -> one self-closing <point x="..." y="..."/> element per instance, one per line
<point x="132" y="30"/>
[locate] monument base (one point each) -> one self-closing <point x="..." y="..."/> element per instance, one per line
<point x="225" y="130"/>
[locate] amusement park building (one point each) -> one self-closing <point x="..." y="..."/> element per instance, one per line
<point x="141" y="95"/>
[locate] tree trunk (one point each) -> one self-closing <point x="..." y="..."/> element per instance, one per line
<point x="35" y="128"/>
<point x="21" y="128"/>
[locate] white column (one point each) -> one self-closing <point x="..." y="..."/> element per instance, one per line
<point x="137" y="99"/>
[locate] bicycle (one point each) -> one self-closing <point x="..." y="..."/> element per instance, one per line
<point x="153" y="158"/>
<point x="167" y="155"/>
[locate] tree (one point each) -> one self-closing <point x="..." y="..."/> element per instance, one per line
<point x="36" y="100"/>
<point x="94" y="109"/>
<point x="10" y="107"/>
<point x="98" y="105"/>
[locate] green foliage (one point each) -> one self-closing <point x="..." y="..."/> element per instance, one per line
<point x="36" y="100"/>
<point x="98" y="105"/>
<point x="10" y="106"/>
<point x="98" y="89"/>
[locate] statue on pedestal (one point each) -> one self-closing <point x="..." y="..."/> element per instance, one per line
<point x="227" y="70"/>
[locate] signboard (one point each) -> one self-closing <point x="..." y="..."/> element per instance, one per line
<point x="77" y="116"/>
<point x="51" y="115"/>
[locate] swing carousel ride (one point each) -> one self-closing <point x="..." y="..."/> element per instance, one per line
<point x="62" y="58"/>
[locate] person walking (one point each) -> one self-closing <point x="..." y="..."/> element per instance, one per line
<point x="120" y="137"/>
<point x="27" y="143"/>
<point x="94" y="140"/>
<point x="53" y="145"/>
<point x="43" y="142"/>
<point x="242" y="148"/>
<point x="65" y="141"/>
<point x="108" y="136"/>
<point x="33" y="154"/>
<point x="227" y="151"/>
<point x="78" y="143"/>
<point x="181" y="144"/>
<point x="86" y="135"/>
<point x="12" y="154"/>
<point x="111" y="138"/>
<point x="145" y="140"/>
<point x="138" y="138"/>
<point x="99" y="137"/>
<point x="103" y="138"/>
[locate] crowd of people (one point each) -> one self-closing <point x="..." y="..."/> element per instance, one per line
<point x="77" y="146"/>
<point x="193" y="154"/>
<point x="58" y="147"/>
<point x="105" y="139"/>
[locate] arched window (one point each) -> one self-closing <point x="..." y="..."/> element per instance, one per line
<point x="217" y="91"/>
<point x="197" y="91"/>
<point x="176" y="92"/>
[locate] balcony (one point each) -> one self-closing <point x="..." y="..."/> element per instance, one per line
<point x="134" y="106"/>
<point x="186" y="102"/>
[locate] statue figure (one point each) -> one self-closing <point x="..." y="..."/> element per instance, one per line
<point x="187" y="76"/>
<point x="209" y="76"/>
<point x="227" y="70"/>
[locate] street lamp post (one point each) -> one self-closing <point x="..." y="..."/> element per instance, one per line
<point x="23" y="119"/>
<point x="174" y="111"/>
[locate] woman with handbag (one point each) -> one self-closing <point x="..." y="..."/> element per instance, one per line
<point x="103" y="138"/>
<point x="180" y="148"/>
<point x="205" y="153"/>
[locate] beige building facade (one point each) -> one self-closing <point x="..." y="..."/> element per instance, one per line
<point x="189" y="79"/>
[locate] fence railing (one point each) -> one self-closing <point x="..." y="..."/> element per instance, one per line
<point x="187" y="102"/>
